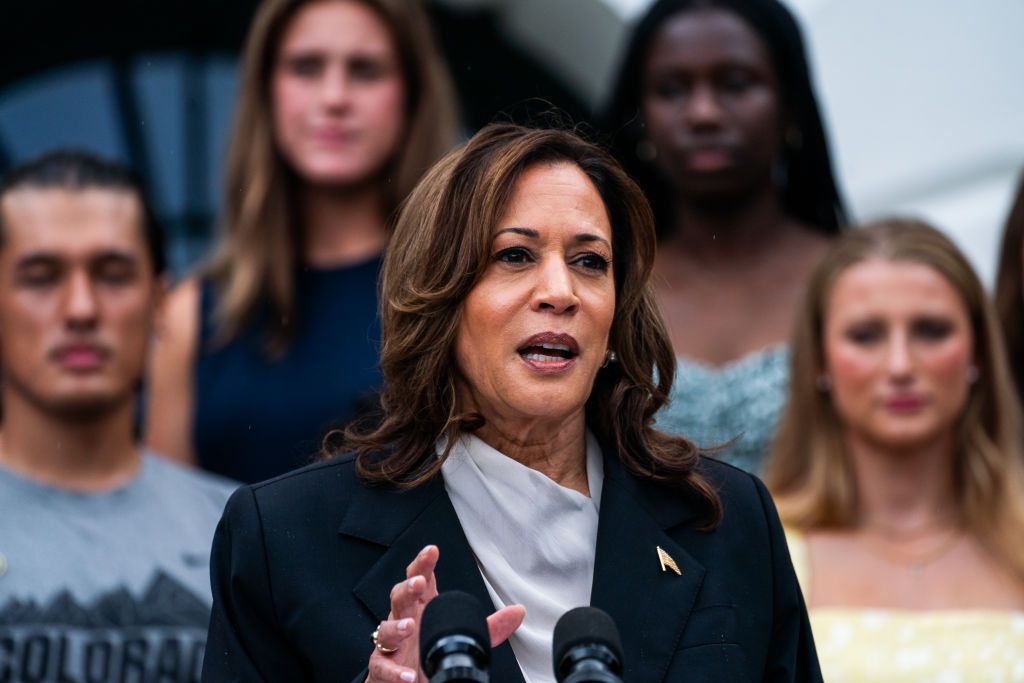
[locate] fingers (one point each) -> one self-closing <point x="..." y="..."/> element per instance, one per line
<point x="409" y="597"/>
<point x="504" y="622"/>
<point x="424" y="564"/>
<point x="384" y="670"/>
<point x="391" y="633"/>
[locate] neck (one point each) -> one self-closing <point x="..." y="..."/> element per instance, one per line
<point x="907" y="489"/>
<point x="92" y="454"/>
<point x="558" y="451"/>
<point x="731" y="233"/>
<point x="342" y="226"/>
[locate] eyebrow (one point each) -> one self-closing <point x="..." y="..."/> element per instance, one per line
<point x="533" y="234"/>
<point x="47" y="258"/>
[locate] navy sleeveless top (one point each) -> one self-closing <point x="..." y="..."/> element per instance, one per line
<point x="257" y="416"/>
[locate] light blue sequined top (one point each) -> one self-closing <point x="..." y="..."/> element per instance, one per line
<point x="710" y="405"/>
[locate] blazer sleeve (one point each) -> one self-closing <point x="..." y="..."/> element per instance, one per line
<point x="791" y="653"/>
<point x="246" y="642"/>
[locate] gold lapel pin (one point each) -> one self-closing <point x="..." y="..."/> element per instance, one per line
<point x="667" y="562"/>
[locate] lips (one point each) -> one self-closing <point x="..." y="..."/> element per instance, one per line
<point x="705" y="158"/>
<point x="334" y="136"/>
<point x="549" y="351"/>
<point x="904" y="403"/>
<point x="80" y="356"/>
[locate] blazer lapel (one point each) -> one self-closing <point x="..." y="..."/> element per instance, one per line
<point x="650" y="605"/>
<point x="404" y="522"/>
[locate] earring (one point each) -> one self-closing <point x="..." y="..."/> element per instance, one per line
<point x="824" y="383"/>
<point x="609" y="357"/>
<point x="645" y="150"/>
<point x="972" y="374"/>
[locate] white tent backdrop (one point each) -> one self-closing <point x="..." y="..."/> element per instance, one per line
<point x="924" y="99"/>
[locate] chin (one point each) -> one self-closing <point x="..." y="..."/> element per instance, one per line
<point x="908" y="437"/>
<point x="85" y="405"/>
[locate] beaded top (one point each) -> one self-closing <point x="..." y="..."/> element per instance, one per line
<point x="741" y="400"/>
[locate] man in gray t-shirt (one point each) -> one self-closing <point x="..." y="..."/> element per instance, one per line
<point x="104" y="549"/>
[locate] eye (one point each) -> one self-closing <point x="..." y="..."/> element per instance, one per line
<point x="39" y="275"/>
<point x="670" y="89"/>
<point x="115" y="273"/>
<point x="593" y="261"/>
<point x="367" y="69"/>
<point x="932" y="330"/>
<point x="735" y="81"/>
<point x="305" y="65"/>
<point x="514" y="256"/>
<point x="865" y="335"/>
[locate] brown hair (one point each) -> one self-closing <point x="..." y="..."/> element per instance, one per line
<point x="441" y="247"/>
<point x="259" y="244"/>
<point x="809" y="470"/>
<point x="1009" y="293"/>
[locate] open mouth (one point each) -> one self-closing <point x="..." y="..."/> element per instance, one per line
<point x="549" y="350"/>
<point x="547" y="353"/>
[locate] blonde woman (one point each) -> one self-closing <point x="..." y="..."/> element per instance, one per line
<point x="898" y="468"/>
<point x="343" y="105"/>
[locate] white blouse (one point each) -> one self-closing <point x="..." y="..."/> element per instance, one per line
<point x="534" y="540"/>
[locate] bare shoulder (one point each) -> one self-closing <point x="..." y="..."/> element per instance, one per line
<point x="169" y="373"/>
<point x="182" y="307"/>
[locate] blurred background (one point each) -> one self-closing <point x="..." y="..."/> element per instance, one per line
<point x="922" y="98"/>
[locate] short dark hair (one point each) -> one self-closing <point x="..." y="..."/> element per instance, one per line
<point x="811" y="193"/>
<point x="80" y="170"/>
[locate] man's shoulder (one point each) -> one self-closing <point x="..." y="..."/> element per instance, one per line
<point x="169" y="475"/>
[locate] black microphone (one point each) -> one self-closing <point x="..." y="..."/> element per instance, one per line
<point x="455" y="645"/>
<point x="587" y="648"/>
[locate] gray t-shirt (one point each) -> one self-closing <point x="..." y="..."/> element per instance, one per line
<point x="107" y="587"/>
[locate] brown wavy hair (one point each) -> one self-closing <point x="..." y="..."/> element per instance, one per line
<point x="1009" y="292"/>
<point x="440" y="249"/>
<point x="254" y="262"/>
<point x="809" y="471"/>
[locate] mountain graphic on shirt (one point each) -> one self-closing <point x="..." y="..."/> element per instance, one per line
<point x="164" y="602"/>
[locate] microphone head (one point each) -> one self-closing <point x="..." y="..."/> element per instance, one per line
<point x="585" y="626"/>
<point x="453" y="613"/>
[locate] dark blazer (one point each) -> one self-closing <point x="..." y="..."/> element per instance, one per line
<point x="303" y="566"/>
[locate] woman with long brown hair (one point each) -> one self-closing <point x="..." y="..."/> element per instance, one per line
<point x="343" y="105"/>
<point x="523" y="359"/>
<point x="898" y="468"/>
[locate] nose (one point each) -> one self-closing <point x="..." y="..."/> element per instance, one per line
<point x="900" y="358"/>
<point x="702" y="108"/>
<point x="554" y="290"/>
<point x="81" y="308"/>
<point x="335" y="88"/>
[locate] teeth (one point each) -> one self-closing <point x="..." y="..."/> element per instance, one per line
<point x="555" y="347"/>
<point x="542" y="358"/>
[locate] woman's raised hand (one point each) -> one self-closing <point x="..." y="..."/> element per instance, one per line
<point x="397" y="657"/>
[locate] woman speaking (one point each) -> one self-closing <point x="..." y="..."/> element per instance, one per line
<point x="523" y="360"/>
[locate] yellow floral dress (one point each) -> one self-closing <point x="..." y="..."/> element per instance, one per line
<point x="861" y="645"/>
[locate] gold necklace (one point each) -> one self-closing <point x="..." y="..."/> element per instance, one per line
<point x="917" y="563"/>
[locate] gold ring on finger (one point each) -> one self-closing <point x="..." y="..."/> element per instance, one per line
<point x="376" y="643"/>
